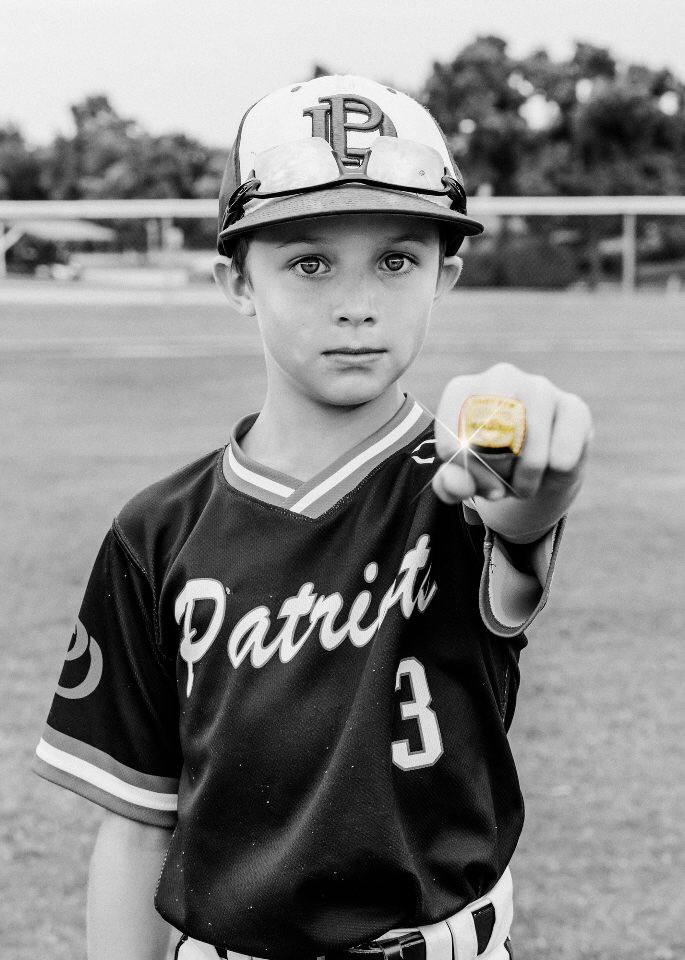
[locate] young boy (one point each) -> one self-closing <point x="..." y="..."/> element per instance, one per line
<point x="300" y="653"/>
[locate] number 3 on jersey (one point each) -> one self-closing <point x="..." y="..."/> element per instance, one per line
<point x="417" y="708"/>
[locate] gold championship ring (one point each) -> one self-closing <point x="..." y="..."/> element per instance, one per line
<point x="494" y="429"/>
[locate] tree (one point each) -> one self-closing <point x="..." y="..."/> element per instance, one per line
<point x="476" y="99"/>
<point x="600" y="127"/>
<point x="112" y="157"/>
<point x="20" y="167"/>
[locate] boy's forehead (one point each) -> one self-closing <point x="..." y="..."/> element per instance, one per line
<point x="344" y="227"/>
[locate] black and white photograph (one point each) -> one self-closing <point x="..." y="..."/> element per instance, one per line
<point x="342" y="354"/>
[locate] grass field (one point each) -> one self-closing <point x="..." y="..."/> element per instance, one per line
<point x="100" y="398"/>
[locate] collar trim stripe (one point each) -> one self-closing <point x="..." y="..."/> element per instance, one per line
<point x="257" y="479"/>
<point x="314" y="497"/>
<point x="387" y="441"/>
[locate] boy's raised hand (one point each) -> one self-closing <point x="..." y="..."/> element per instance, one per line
<point x="548" y="471"/>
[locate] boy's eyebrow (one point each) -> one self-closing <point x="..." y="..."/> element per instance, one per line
<point x="391" y="238"/>
<point x="304" y="239"/>
<point x="409" y="238"/>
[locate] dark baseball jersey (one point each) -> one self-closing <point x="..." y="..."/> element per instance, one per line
<point x="312" y="683"/>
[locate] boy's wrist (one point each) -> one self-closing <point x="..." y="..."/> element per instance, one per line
<point x="522" y="554"/>
<point x="524" y="522"/>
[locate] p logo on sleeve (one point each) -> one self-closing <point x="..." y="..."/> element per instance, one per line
<point x="82" y="646"/>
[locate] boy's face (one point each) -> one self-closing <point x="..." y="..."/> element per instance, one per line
<point x="343" y="302"/>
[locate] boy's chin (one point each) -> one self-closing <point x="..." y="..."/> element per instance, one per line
<point x="353" y="394"/>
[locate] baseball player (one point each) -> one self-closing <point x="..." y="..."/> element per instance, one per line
<point x="292" y="675"/>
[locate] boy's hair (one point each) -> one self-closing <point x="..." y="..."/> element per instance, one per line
<point x="239" y="256"/>
<point x="340" y="145"/>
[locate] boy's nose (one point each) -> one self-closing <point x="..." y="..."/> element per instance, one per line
<point x="356" y="305"/>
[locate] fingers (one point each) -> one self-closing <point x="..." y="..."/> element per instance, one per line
<point x="558" y="431"/>
<point x="452" y="484"/>
<point x="465" y="472"/>
<point x="572" y="433"/>
<point x="539" y="396"/>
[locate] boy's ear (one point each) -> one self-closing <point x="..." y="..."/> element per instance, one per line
<point x="235" y="286"/>
<point x="449" y="274"/>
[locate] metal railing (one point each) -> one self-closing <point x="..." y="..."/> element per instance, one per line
<point x="494" y="210"/>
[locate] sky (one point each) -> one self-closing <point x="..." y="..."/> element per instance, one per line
<point x="195" y="66"/>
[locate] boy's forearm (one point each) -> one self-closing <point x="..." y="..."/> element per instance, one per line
<point x="122" y="921"/>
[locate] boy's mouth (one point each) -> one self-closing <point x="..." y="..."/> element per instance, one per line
<point x="353" y="351"/>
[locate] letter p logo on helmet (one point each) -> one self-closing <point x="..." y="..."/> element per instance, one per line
<point x="335" y="115"/>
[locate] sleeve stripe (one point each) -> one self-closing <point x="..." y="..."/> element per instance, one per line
<point x="107" y="782"/>
<point x="105" y="762"/>
<point x="156" y="818"/>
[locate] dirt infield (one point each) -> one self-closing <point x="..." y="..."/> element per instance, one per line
<point x="102" y="396"/>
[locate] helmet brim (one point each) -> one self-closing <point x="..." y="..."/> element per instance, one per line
<point x="351" y="199"/>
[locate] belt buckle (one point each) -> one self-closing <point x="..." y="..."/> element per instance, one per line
<point x="408" y="946"/>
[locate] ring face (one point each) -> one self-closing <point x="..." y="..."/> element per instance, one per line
<point x="491" y="423"/>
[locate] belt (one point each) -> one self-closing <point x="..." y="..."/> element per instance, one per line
<point x="412" y="945"/>
<point x="476" y="931"/>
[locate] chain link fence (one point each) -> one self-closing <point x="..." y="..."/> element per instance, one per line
<point x="578" y="251"/>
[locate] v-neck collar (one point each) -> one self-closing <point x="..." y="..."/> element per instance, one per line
<point x="313" y="497"/>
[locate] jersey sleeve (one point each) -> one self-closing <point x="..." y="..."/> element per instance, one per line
<point x="112" y="730"/>
<point x="512" y="594"/>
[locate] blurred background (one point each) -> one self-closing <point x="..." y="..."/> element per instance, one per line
<point x="119" y="362"/>
<point x="543" y="103"/>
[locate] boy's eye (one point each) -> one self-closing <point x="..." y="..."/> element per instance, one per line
<point x="395" y="262"/>
<point x="309" y="265"/>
